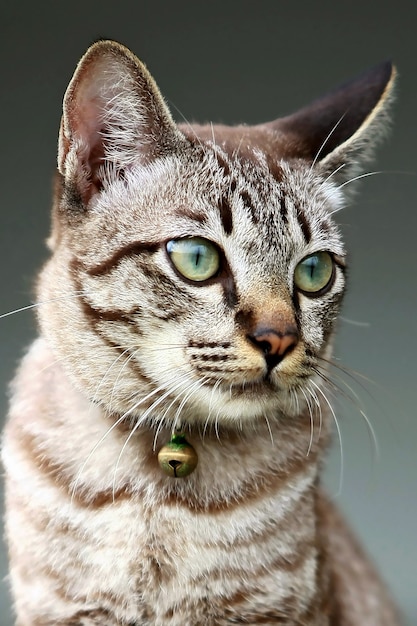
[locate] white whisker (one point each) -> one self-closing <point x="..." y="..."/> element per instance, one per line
<point x="189" y="392"/>
<point x="356" y="401"/>
<point x="109" y="430"/>
<point x="141" y="420"/>
<point x="104" y="378"/>
<point x="271" y="436"/>
<point x="311" y="421"/>
<point x="320" y="150"/>
<point x="352" y="180"/>
<point x="342" y="458"/>
<point x="332" y="174"/>
<point x="76" y="294"/>
<point x="115" y="384"/>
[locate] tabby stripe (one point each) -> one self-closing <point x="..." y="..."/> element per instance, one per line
<point x="305" y="226"/>
<point x="100" y="315"/>
<point x="275" y="168"/>
<point x="96" y="315"/>
<point x="226" y="216"/>
<point x="132" y="249"/>
<point x="224" y="207"/>
<point x="212" y="357"/>
<point x="169" y="286"/>
<point x="254" y="490"/>
<point x="215" y="368"/>
<point x="229" y="287"/>
<point x="248" y="203"/>
<point x="236" y="609"/>
<point x="232" y="187"/>
<point x="100" y="614"/>
<point x="128" y="353"/>
<point x="294" y="516"/>
<point x="223" y="164"/>
<point x="61" y="477"/>
<point x="201" y="344"/>
<point x="284" y="210"/>
<point x="165" y="309"/>
<point x="278" y="563"/>
<point x="100" y="617"/>
<point x="191" y="214"/>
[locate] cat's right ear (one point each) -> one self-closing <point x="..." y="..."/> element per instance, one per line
<point x="113" y="116"/>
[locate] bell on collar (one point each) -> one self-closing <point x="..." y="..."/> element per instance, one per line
<point x="178" y="458"/>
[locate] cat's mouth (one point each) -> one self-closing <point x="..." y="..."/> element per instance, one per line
<point x="253" y="388"/>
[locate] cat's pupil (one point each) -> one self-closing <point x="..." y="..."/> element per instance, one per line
<point x="312" y="265"/>
<point x="197" y="256"/>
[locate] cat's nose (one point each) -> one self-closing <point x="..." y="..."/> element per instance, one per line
<point x="274" y="344"/>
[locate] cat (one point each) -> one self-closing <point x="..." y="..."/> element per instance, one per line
<point x="168" y="426"/>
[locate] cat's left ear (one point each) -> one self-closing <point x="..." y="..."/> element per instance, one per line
<point x="113" y="115"/>
<point x="338" y="132"/>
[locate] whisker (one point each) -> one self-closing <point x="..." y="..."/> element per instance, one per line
<point x="317" y="402"/>
<point x="332" y="174"/>
<point x="237" y="150"/>
<point x="127" y="361"/>
<point x="271" y="436"/>
<point x="352" y="374"/>
<point x="216" y="426"/>
<point x="367" y="174"/>
<point x="354" y="398"/>
<point x="104" y="378"/>
<point x="339" y="433"/>
<point x="139" y="423"/>
<point x="37" y="304"/>
<point x="320" y="150"/>
<point x="354" y="322"/>
<point x="311" y="421"/>
<point x="348" y="182"/>
<point x="95" y="447"/>
<point x="110" y="429"/>
<point x="193" y="387"/>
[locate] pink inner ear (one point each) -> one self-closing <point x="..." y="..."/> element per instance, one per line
<point x="91" y="133"/>
<point x="84" y="113"/>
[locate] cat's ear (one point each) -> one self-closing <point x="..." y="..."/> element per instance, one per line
<point x="113" y="116"/>
<point x="338" y="132"/>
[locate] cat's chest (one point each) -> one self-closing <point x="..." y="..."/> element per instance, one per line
<point x="174" y="566"/>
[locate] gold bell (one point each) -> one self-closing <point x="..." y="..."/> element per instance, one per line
<point x="177" y="458"/>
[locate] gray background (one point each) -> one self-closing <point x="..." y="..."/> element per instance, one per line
<point x="232" y="62"/>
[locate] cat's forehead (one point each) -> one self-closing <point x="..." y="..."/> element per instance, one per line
<point x="228" y="190"/>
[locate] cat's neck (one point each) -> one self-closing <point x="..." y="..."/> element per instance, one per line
<point x="106" y="460"/>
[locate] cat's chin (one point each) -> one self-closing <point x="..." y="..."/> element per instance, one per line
<point x="245" y="402"/>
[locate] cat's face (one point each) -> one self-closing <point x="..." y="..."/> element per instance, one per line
<point x="198" y="278"/>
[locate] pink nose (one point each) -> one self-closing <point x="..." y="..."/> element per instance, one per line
<point x="274" y="343"/>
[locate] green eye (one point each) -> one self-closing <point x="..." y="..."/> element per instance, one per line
<point x="194" y="257"/>
<point x="314" y="273"/>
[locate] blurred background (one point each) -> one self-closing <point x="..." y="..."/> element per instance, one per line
<point x="248" y="62"/>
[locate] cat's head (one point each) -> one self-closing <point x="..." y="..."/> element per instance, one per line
<point x="197" y="270"/>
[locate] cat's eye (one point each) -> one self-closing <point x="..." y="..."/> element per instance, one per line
<point x="314" y="273"/>
<point x="194" y="258"/>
